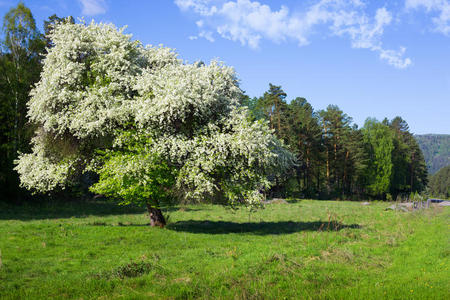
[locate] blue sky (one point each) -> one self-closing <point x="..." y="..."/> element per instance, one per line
<point x="371" y="58"/>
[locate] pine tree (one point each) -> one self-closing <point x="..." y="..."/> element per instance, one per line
<point x="336" y="127"/>
<point x="304" y="137"/>
<point x="273" y="105"/>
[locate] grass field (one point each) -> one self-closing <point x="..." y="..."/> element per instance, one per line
<point x="302" y="250"/>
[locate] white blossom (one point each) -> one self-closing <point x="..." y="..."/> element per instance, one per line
<point x="96" y="80"/>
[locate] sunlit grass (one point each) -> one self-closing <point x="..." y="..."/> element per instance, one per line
<point x="304" y="249"/>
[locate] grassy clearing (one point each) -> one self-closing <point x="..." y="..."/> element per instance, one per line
<point x="304" y="249"/>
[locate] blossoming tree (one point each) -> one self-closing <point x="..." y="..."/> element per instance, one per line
<point x="150" y="125"/>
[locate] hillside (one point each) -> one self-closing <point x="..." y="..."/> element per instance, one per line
<point x="436" y="150"/>
<point x="440" y="183"/>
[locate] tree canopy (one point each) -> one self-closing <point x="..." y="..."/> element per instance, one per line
<point x="148" y="123"/>
<point x="139" y="124"/>
<point x="336" y="159"/>
<point x="20" y="65"/>
<point x="379" y="143"/>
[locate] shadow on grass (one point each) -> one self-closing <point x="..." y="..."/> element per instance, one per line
<point x="119" y="224"/>
<point x="182" y="209"/>
<point x="60" y="210"/>
<point x="77" y="209"/>
<point x="261" y="228"/>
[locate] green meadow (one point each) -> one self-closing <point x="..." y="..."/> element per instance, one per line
<point x="306" y="249"/>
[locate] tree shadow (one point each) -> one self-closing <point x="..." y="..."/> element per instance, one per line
<point x="61" y="210"/>
<point x="41" y="210"/>
<point x="181" y="209"/>
<point x="261" y="228"/>
<point x="119" y="224"/>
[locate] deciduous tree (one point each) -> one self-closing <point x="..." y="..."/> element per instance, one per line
<point x="151" y="125"/>
<point x="20" y="65"/>
<point x="379" y="142"/>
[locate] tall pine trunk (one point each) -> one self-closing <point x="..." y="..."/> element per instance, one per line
<point x="345" y="185"/>
<point x="327" y="163"/>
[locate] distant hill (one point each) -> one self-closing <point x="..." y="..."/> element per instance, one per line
<point x="436" y="150"/>
<point x="440" y="183"/>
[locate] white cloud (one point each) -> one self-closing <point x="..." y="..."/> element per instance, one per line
<point x="395" y="58"/>
<point x="249" y="22"/>
<point x="428" y="4"/>
<point x="367" y="35"/>
<point x="208" y="35"/>
<point x="201" y="7"/>
<point x="199" y="23"/>
<point x="93" y="7"/>
<point x="442" y="7"/>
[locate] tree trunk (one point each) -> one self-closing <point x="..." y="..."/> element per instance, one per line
<point x="277" y="109"/>
<point x="412" y="173"/>
<point x="345" y="185"/>
<point x="328" y="162"/>
<point x="156" y="216"/>
<point x="307" y="169"/>
<point x="328" y="172"/>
